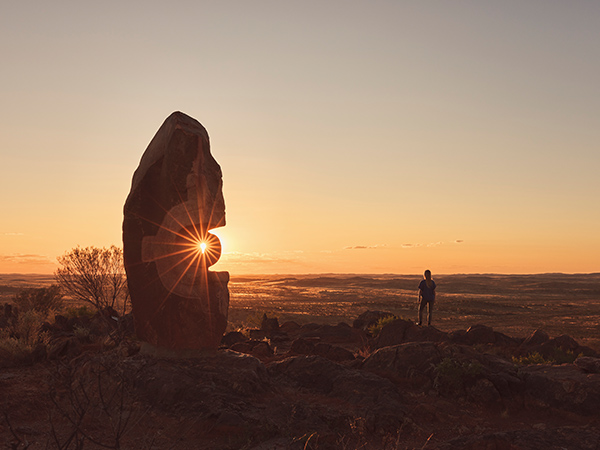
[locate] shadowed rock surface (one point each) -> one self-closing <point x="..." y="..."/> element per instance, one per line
<point x="431" y="390"/>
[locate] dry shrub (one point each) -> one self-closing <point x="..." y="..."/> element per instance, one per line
<point x="23" y="335"/>
<point x="42" y="300"/>
<point x="78" y="311"/>
<point x="19" y="340"/>
<point x="95" y="402"/>
<point x="95" y="276"/>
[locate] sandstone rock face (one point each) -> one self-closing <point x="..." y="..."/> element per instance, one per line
<point x="176" y="198"/>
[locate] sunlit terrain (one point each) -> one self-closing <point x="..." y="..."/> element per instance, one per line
<point x="513" y="304"/>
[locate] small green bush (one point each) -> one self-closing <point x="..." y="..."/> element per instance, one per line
<point x="532" y="358"/>
<point x="375" y="329"/>
<point x="564" y="356"/>
<point x="558" y="356"/>
<point x="452" y="375"/>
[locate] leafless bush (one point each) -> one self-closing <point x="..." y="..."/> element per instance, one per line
<point x="18" y="442"/>
<point x="96" y="402"/>
<point x="94" y="275"/>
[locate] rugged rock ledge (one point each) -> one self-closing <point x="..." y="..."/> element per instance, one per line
<point x="313" y="386"/>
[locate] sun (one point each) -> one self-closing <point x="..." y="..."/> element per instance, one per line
<point x="204" y="248"/>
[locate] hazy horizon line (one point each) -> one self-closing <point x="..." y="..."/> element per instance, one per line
<point x="367" y="274"/>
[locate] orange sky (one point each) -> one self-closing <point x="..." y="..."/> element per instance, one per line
<point x="365" y="137"/>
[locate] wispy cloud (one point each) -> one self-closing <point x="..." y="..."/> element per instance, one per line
<point x="259" y="258"/>
<point x="363" y="247"/>
<point x="411" y="245"/>
<point x="431" y="244"/>
<point x="12" y="234"/>
<point x="30" y="259"/>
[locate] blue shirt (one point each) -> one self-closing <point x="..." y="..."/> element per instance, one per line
<point x="428" y="293"/>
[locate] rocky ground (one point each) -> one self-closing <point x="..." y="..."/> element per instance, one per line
<point x="310" y="386"/>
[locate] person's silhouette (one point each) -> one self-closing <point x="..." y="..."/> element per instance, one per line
<point x="426" y="297"/>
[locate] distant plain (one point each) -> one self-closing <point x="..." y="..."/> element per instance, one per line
<point x="513" y="304"/>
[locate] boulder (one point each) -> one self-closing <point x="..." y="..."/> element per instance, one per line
<point x="326" y="377"/>
<point x="310" y="372"/>
<point x="457" y="336"/>
<point x="270" y="325"/>
<point x="503" y="340"/>
<point x="392" y="333"/>
<point x="565" y="342"/>
<point x="256" y="333"/>
<point x="424" y="334"/>
<point x="528" y="439"/>
<point x="338" y="334"/>
<point x="289" y="327"/>
<point x="560" y="349"/>
<point x="484" y="392"/>
<point x="233" y="337"/>
<point x="302" y="347"/>
<point x="314" y="347"/>
<point x="410" y="360"/>
<point x="588" y="364"/>
<point x="175" y="199"/>
<point x="260" y="349"/>
<point x="480" y="334"/>
<point x="376" y="401"/>
<point x="565" y="387"/>
<point x="205" y="384"/>
<point x="536" y="338"/>
<point x="333" y="352"/>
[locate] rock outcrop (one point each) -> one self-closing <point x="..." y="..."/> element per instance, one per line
<point x="466" y="389"/>
<point x="175" y="200"/>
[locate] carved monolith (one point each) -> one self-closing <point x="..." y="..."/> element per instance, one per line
<point x="176" y="197"/>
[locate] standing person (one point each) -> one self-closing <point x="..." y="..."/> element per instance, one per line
<point x="426" y="297"/>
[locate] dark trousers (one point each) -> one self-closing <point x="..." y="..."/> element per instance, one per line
<point x="429" y="310"/>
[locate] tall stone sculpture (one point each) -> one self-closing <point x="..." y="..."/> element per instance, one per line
<point x="176" y="197"/>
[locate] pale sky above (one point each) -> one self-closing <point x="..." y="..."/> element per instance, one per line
<point x="354" y="136"/>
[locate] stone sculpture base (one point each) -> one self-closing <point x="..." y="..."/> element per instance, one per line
<point x="179" y="323"/>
